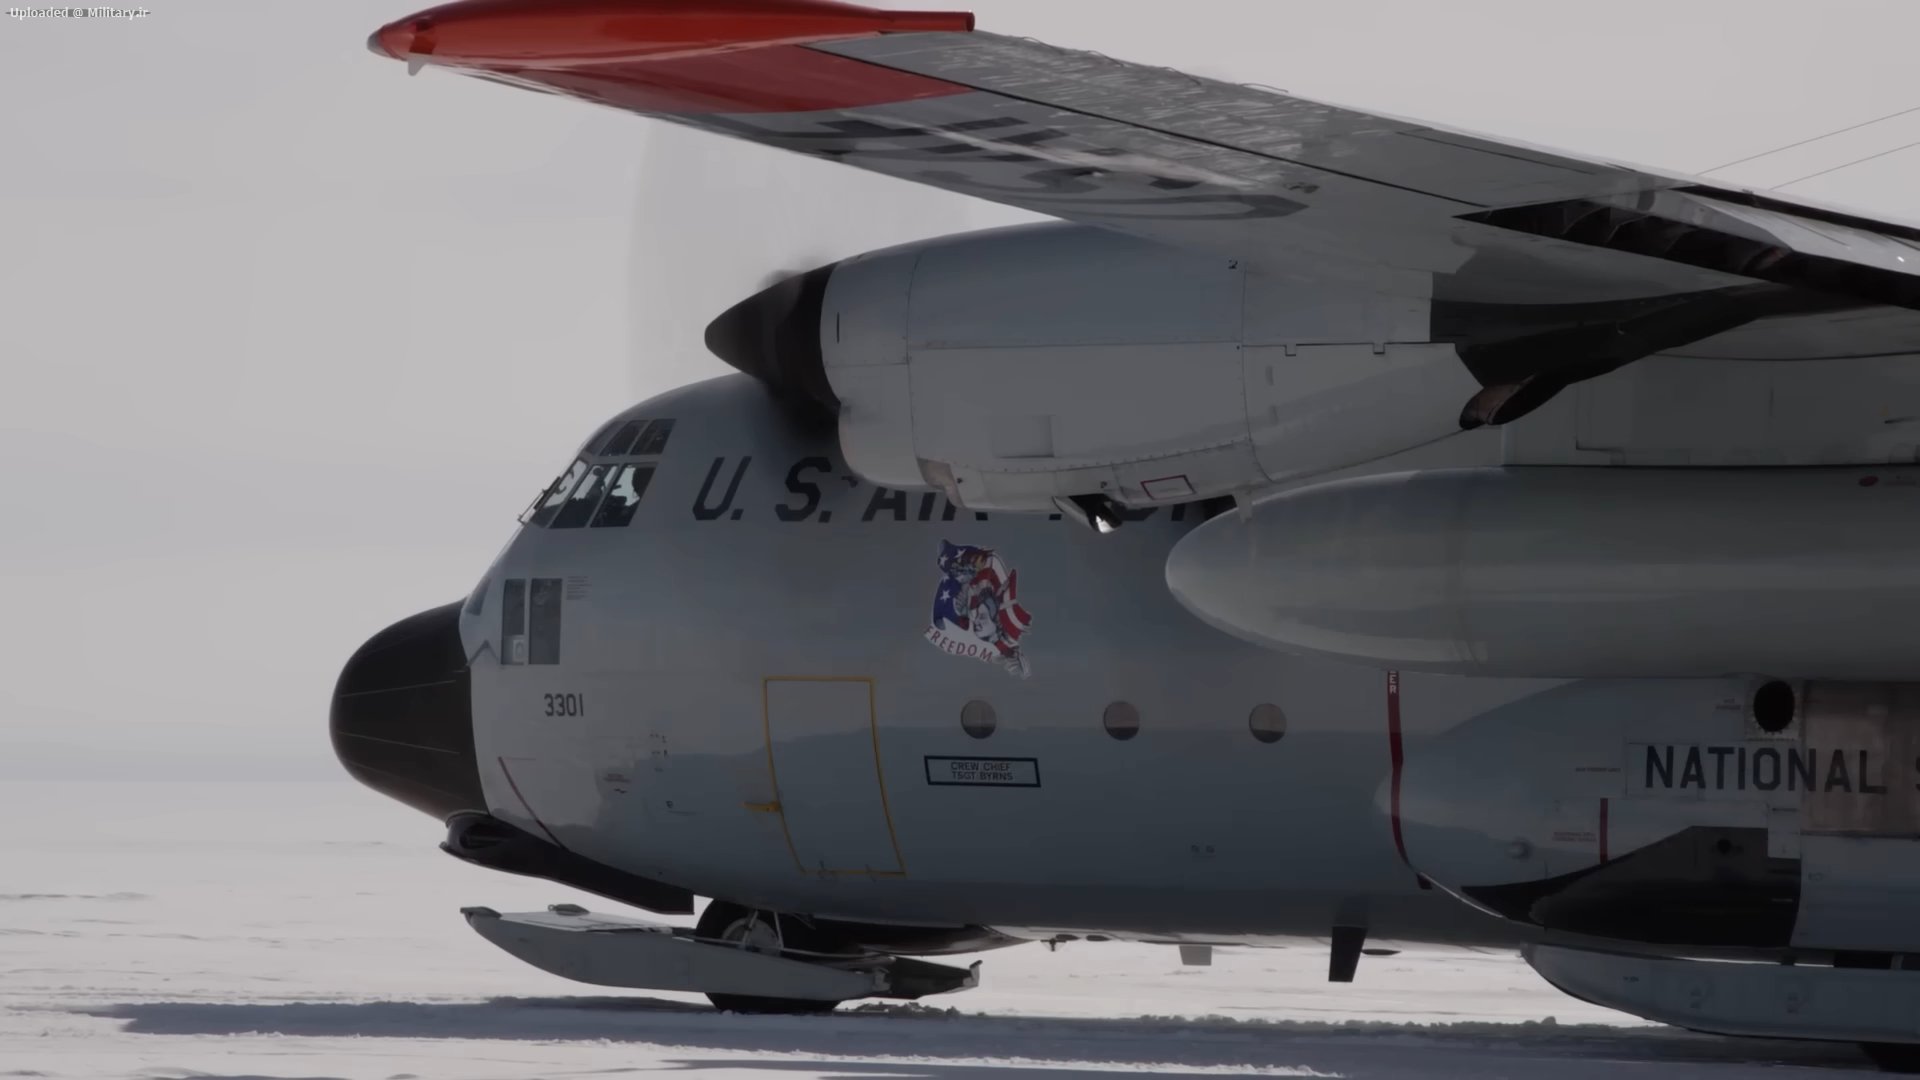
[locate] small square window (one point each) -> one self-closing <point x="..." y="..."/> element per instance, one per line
<point x="513" y="621"/>
<point x="622" y="441"/>
<point x="601" y="437"/>
<point x="543" y="621"/>
<point x="654" y="440"/>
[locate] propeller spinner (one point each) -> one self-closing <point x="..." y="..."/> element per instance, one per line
<point x="774" y="336"/>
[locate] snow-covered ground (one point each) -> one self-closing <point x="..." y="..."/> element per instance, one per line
<point x="306" y="930"/>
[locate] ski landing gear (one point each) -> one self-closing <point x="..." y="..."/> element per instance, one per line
<point x="1876" y="1007"/>
<point x="767" y="933"/>
<point x="743" y="960"/>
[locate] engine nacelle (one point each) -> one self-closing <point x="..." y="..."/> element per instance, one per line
<point x="1575" y="572"/>
<point x="1021" y="366"/>
<point x="1018" y="367"/>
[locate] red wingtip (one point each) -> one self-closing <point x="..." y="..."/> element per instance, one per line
<point x="399" y="40"/>
<point x="564" y="33"/>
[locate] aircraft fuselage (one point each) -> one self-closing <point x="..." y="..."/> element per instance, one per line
<point x="744" y="692"/>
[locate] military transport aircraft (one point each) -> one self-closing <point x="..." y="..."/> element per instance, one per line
<point x="1334" y="526"/>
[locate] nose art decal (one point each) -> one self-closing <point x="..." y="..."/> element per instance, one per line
<point x="976" y="609"/>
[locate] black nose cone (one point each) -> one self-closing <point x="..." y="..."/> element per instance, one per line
<point x="402" y="715"/>
<point x="774" y="336"/>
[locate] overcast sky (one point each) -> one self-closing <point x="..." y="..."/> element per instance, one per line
<point x="290" y="337"/>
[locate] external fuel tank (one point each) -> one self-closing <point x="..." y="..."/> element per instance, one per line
<point x="1576" y="572"/>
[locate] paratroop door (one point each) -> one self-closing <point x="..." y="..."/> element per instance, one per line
<point x="826" y="768"/>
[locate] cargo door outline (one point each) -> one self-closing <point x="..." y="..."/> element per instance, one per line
<point x="781" y="797"/>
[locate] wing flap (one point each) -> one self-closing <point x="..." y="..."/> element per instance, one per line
<point x="1758" y="243"/>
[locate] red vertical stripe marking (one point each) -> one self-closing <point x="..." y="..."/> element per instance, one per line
<point x="504" y="771"/>
<point x="1398" y="758"/>
<point x="1603" y="831"/>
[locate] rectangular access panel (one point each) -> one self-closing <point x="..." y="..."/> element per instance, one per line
<point x="822" y="742"/>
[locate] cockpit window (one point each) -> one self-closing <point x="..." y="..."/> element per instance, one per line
<point x="635" y="438"/>
<point x="654" y="439"/>
<point x="580" y="504"/>
<point x="623" y="496"/>
<point x="607" y="495"/>
<point x="601" y="437"/>
<point x="621" y="442"/>
<point x="550" y="501"/>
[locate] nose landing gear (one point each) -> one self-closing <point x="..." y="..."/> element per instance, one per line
<point x="761" y="932"/>
<point x="743" y="960"/>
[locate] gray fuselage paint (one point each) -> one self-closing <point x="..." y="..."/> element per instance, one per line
<point x="757" y="563"/>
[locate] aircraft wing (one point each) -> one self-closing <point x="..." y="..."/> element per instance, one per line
<point x="1611" y="262"/>
<point x="1196" y="163"/>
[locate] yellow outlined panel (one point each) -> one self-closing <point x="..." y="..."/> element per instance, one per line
<point x="785" y="799"/>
